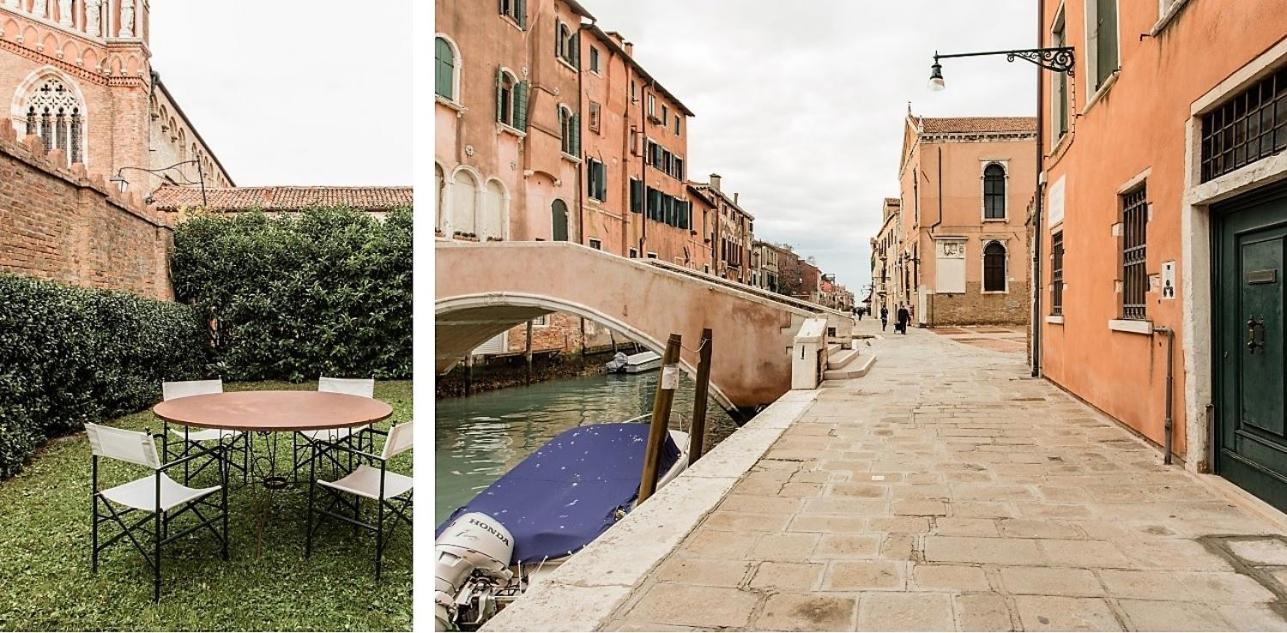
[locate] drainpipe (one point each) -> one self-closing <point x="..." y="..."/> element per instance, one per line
<point x="1035" y="282"/>
<point x="581" y="123"/>
<point x="1169" y="425"/>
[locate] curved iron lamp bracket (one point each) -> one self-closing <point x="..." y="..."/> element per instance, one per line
<point x="1058" y="59"/>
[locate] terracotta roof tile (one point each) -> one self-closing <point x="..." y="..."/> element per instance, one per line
<point x="172" y="198"/>
<point x="979" y="124"/>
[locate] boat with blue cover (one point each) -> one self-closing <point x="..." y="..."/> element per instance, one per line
<point x="548" y="507"/>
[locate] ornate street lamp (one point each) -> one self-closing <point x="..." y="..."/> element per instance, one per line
<point x="1059" y="59"/>
<point x="124" y="184"/>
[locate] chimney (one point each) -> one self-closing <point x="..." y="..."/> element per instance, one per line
<point x="734" y="197"/>
<point x="630" y="49"/>
<point x="715" y="182"/>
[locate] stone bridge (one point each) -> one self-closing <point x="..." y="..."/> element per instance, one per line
<point x="485" y="289"/>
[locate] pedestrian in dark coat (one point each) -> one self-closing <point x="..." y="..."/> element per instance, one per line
<point x="903" y="317"/>
<point x="884" y="318"/>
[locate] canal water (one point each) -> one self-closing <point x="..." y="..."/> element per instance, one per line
<point x="479" y="438"/>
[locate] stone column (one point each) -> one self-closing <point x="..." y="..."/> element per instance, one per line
<point x="65" y="13"/>
<point x="93" y="16"/>
<point x="38" y="8"/>
<point x="127" y="19"/>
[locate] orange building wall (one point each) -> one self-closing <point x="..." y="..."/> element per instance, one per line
<point x="1137" y="126"/>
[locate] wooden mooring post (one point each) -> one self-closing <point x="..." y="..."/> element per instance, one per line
<point x="527" y="352"/>
<point x="660" y="424"/>
<point x="697" y="430"/>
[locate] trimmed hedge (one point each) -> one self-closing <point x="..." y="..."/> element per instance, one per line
<point x="325" y="291"/>
<point x="71" y="355"/>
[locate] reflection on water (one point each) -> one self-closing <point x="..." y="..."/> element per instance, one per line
<point x="479" y="438"/>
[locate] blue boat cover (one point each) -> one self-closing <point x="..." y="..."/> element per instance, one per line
<point x="567" y="493"/>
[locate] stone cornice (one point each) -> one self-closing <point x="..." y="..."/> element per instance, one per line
<point x="975" y="137"/>
<point x="72" y="69"/>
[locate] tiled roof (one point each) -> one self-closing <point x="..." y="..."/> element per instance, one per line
<point x="979" y="124"/>
<point x="172" y="198"/>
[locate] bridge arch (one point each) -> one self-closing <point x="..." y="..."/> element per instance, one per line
<point x="485" y="289"/>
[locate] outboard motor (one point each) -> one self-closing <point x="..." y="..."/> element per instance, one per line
<point x="471" y="566"/>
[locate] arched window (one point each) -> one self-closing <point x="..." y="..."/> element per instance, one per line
<point x="492" y="218"/>
<point x="506" y="92"/>
<point x="559" y="211"/>
<point x="994" y="192"/>
<point x="994" y="267"/>
<point x="440" y="191"/>
<point x="464" y="203"/>
<point x="52" y="111"/>
<point x="570" y="130"/>
<point x="445" y="69"/>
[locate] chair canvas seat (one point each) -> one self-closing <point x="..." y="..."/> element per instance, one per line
<point x="365" y="482"/>
<point x="331" y="435"/>
<point x="140" y="494"/>
<point x="204" y="435"/>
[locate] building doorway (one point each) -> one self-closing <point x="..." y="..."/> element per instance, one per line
<point x="560" y="212"/>
<point x="1251" y="441"/>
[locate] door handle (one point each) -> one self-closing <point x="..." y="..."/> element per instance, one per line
<point x="1253" y="342"/>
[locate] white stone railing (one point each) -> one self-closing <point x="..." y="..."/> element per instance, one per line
<point x="92" y="18"/>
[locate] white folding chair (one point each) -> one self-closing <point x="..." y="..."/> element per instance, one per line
<point x="199" y="439"/>
<point x="373" y="481"/>
<point x="303" y="441"/>
<point x="158" y="495"/>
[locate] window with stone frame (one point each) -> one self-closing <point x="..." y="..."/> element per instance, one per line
<point x="53" y="112"/>
<point x="994" y="192"/>
<point x="506" y="97"/>
<point x="596" y="111"/>
<point x="1134" y="251"/>
<point x="570" y="131"/>
<point x="445" y="68"/>
<point x="515" y="10"/>
<point x="1057" y="274"/>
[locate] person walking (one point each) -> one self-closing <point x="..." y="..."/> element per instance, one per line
<point x="859" y="311"/>
<point x="903" y="317"/>
<point x="884" y="318"/>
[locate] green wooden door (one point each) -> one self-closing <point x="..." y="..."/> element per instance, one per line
<point x="1252" y="444"/>
<point x="559" y="210"/>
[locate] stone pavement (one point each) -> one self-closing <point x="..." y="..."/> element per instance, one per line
<point x="947" y="490"/>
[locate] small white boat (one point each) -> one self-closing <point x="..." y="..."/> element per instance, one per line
<point x="642" y="362"/>
<point x="530" y="521"/>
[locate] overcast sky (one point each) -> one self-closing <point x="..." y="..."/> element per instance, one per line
<point x="293" y="92"/>
<point x="800" y="105"/>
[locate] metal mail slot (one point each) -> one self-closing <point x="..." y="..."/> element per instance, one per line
<point x="1269" y="276"/>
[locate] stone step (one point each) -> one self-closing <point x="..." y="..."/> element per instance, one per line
<point x="854" y="370"/>
<point x="837" y="359"/>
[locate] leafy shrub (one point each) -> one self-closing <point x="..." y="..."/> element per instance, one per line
<point x="325" y="291"/>
<point x="71" y="355"/>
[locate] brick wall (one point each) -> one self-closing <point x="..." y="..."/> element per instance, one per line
<point x="976" y="308"/>
<point x="62" y="224"/>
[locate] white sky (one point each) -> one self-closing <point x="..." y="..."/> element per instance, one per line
<point x="293" y="92"/>
<point x="800" y="104"/>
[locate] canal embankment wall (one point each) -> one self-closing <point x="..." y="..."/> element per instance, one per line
<point x="502" y="371"/>
<point x="583" y="593"/>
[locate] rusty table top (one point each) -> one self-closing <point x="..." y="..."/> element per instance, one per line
<point x="273" y="410"/>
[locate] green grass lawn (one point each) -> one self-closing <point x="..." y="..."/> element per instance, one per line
<point x="46" y="583"/>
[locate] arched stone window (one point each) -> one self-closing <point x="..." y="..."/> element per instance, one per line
<point x="446" y="69"/>
<point x="559" y="211"/>
<point x="53" y="111"/>
<point x="994" y="192"/>
<point x="994" y="267"/>
<point x="464" y="203"/>
<point x="440" y="182"/>
<point x="492" y="218"/>
<point x="570" y="130"/>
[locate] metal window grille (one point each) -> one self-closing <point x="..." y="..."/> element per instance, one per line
<point x="1246" y="127"/>
<point x="1057" y="274"/>
<point x="1134" y="242"/>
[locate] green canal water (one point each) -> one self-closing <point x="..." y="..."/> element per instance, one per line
<point x="479" y="438"/>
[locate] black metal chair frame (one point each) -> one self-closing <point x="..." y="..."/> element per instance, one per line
<point x="226" y="448"/>
<point x="104" y="512"/>
<point x="301" y="443"/>
<point x="396" y="507"/>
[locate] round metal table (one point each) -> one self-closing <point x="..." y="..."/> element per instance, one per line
<point x="269" y="412"/>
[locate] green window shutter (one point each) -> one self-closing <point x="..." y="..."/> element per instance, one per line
<point x="500" y="79"/>
<point x="522" y="13"/>
<point x="603" y="182"/>
<point x="636" y="196"/>
<point x="576" y="135"/>
<point x="445" y="70"/>
<point x="520" y="106"/>
<point x="576" y="51"/>
<point x="1106" y="45"/>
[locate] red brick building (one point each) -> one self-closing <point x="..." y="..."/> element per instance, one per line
<point x="78" y="75"/>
